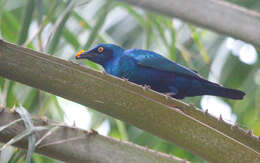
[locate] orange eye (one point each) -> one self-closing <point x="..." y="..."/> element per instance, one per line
<point x="100" y="49"/>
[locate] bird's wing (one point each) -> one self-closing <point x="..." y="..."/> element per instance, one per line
<point x="153" y="60"/>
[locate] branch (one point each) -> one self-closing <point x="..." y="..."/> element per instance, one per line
<point x="74" y="145"/>
<point x="165" y="117"/>
<point x="217" y="15"/>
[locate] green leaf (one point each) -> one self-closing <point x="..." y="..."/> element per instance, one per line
<point x="9" y="26"/>
<point x="26" y="21"/>
<point x="58" y="28"/>
<point x="134" y="13"/>
<point x="196" y="38"/>
<point x="71" y="39"/>
<point x="122" y="130"/>
<point x="101" y="20"/>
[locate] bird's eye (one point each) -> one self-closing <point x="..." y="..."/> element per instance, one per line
<point x="100" y="49"/>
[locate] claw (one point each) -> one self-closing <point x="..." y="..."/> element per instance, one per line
<point x="125" y="79"/>
<point x="167" y="96"/>
<point x="145" y="87"/>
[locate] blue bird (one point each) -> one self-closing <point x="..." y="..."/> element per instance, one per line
<point x="145" y="67"/>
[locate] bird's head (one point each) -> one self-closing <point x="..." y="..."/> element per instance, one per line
<point x="100" y="54"/>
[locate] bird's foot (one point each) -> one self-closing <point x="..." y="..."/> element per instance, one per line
<point x="145" y="87"/>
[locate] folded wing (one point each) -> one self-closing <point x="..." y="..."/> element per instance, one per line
<point x="153" y="60"/>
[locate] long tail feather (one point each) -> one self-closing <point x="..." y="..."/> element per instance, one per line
<point x="217" y="90"/>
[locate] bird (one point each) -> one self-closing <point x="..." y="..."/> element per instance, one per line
<point x="148" y="68"/>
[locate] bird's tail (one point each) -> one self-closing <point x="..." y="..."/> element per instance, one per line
<point x="217" y="90"/>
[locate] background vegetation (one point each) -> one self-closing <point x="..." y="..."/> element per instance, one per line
<point x="62" y="28"/>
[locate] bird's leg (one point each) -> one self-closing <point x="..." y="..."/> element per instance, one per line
<point x="125" y="79"/>
<point x="147" y="86"/>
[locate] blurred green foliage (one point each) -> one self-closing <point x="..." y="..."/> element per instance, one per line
<point x="64" y="27"/>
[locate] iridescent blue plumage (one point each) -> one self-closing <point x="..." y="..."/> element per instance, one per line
<point x="149" y="68"/>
